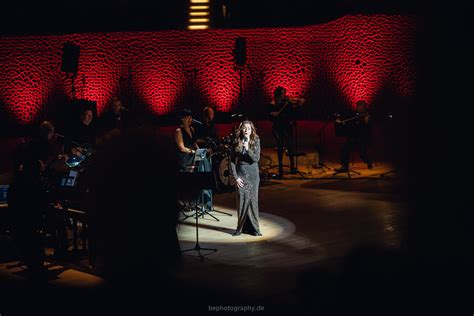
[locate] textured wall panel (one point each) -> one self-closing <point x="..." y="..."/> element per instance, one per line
<point x="349" y="59"/>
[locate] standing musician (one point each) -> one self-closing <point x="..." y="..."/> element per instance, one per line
<point x="281" y="112"/>
<point x="358" y="137"/>
<point x="185" y="141"/>
<point x="244" y="168"/>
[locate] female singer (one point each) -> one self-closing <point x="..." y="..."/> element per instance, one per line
<point x="185" y="140"/>
<point x="244" y="168"/>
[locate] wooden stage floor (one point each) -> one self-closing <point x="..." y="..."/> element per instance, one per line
<point x="306" y="224"/>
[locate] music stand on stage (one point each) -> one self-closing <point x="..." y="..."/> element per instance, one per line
<point x="198" y="181"/>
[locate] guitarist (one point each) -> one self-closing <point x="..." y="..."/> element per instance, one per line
<point x="281" y="112"/>
<point x="358" y="136"/>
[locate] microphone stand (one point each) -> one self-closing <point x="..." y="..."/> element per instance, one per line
<point x="320" y="134"/>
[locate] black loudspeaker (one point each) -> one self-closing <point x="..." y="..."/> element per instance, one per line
<point x="240" y="51"/>
<point x="70" y="61"/>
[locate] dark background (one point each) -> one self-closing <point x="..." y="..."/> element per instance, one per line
<point x="436" y="158"/>
<point x="57" y="17"/>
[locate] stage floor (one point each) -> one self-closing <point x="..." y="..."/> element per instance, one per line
<point x="305" y="224"/>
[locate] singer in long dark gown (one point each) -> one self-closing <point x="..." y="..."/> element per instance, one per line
<point x="244" y="168"/>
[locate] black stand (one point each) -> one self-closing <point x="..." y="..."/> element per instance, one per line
<point x="347" y="171"/>
<point x="320" y="134"/>
<point x="385" y="174"/>
<point x="197" y="246"/>
<point x="73" y="86"/>
<point x="297" y="154"/>
<point x="200" y="181"/>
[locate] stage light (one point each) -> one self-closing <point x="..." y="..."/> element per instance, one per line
<point x="199" y="7"/>
<point x="198" y="13"/>
<point x="198" y="20"/>
<point x="198" y="27"/>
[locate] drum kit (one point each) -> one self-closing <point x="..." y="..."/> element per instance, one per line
<point x="221" y="164"/>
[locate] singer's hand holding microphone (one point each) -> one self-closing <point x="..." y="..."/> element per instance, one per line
<point x="246" y="143"/>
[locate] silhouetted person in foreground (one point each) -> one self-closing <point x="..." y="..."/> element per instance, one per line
<point x="27" y="201"/>
<point x="133" y="211"/>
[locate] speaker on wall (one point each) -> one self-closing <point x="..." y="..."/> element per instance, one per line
<point x="70" y="58"/>
<point x="240" y="51"/>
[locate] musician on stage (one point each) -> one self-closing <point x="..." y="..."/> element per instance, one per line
<point x="207" y="132"/>
<point x="82" y="133"/>
<point x="358" y="138"/>
<point x="244" y="168"/>
<point x="185" y="138"/>
<point x="44" y="148"/>
<point x="115" y="118"/>
<point x="281" y="113"/>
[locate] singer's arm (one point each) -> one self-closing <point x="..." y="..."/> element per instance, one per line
<point x="233" y="169"/>
<point x="255" y="153"/>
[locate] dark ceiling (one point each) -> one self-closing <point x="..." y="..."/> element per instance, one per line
<point x="25" y="17"/>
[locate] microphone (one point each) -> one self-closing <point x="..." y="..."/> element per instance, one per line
<point x="236" y="115"/>
<point x="59" y="135"/>
<point x="124" y="109"/>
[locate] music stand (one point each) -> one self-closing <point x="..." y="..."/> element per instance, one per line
<point x="198" y="181"/>
<point x="199" y="156"/>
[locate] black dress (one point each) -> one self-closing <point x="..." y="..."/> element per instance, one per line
<point x="186" y="159"/>
<point x="244" y="165"/>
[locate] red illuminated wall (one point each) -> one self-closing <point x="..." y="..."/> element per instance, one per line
<point x="352" y="58"/>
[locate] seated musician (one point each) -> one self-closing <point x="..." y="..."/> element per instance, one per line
<point x="44" y="148"/>
<point x="185" y="141"/>
<point x="82" y="134"/>
<point x="358" y="137"/>
<point x="115" y="118"/>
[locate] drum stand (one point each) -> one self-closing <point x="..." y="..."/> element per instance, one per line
<point x="197" y="246"/>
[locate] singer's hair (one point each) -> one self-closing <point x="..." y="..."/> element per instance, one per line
<point x="238" y="145"/>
